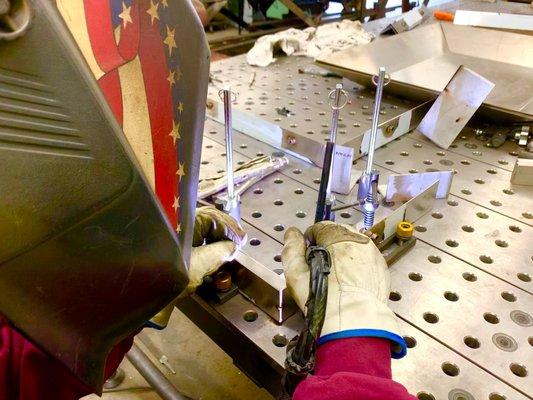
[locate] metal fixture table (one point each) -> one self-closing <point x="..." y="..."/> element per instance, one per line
<point x="463" y="294"/>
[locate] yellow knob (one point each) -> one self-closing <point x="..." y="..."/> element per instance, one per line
<point x="404" y="230"/>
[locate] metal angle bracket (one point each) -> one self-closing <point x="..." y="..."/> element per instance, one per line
<point x="308" y="149"/>
<point x="390" y="129"/>
<point x="454" y="106"/>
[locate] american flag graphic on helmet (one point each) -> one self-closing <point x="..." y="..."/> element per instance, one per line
<point x="130" y="46"/>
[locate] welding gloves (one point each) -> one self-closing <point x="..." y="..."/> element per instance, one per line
<point x="358" y="284"/>
<point x="216" y="238"/>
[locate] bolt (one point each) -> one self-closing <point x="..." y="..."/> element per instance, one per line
<point x="389" y="130"/>
<point x="291" y="140"/>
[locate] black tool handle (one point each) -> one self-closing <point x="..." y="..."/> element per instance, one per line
<point x="324" y="182"/>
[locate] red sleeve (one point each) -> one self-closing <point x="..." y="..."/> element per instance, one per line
<point x="354" y="368"/>
<point x="27" y="373"/>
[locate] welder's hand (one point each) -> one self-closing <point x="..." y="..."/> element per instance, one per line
<point x="358" y="285"/>
<point x="212" y="225"/>
<point x="216" y="238"/>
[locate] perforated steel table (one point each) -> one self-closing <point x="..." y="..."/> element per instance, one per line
<point x="463" y="294"/>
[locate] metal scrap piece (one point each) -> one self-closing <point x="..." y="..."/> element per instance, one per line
<point x="283" y="111"/>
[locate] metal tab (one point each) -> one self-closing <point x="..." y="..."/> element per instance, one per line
<point x="406" y="186"/>
<point x="411" y="211"/>
<point x="454" y="107"/>
<point x="261" y="285"/>
<point x="523" y="172"/>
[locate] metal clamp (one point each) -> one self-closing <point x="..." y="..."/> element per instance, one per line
<point x="231" y="205"/>
<point x="375" y="79"/>
<point x="334" y="98"/>
<point x="233" y="95"/>
<point x="326" y="200"/>
<point x="367" y="193"/>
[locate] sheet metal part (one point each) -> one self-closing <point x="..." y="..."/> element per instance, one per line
<point x="454" y="106"/>
<point x="406" y="186"/>
<point x="423" y="60"/>
<point x="523" y="172"/>
<point x="410" y="211"/>
<point x="286" y="198"/>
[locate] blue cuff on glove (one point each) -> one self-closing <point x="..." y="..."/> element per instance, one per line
<point x="378" y="333"/>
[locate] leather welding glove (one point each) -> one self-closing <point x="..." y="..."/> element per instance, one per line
<point x="358" y="284"/>
<point x="216" y="238"/>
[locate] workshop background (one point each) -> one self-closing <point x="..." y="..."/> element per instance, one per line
<point x="463" y="293"/>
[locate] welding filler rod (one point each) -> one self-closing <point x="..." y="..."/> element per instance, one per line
<point x="229" y="142"/>
<point x="336" y="107"/>
<point x="231" y="205"/>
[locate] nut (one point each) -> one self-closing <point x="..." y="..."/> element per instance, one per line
<point x="404" y="230"/>
<point x="222" y="281"/>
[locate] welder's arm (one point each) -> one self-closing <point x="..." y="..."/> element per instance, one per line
<point x="216" y="238"/>
<point x="360" y="333"/>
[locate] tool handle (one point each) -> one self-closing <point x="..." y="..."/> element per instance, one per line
<point x="324" y="182"/>
<point x="443" y="15"/>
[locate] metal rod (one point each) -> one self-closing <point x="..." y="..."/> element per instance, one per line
<point x="153" y="375"/>
<point x="336" y="107"/>
<point x="336" y="110"/>
<point x="375" y="120"/>
<point x="229" y="143"/>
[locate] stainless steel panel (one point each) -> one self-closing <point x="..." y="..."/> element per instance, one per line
<point x="422" y="62"/>
<point x="406" y="186"/>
